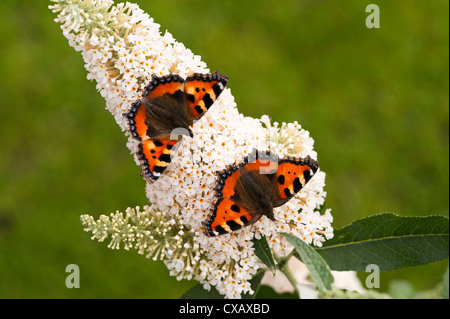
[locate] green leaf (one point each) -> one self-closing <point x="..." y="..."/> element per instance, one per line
<point x="318" y="268"/>
<point x="389" y="241"/>
<point x="401" y="289"/>
<point x="445" y="285"/>
<point x="255" y="283"/>
<point x="263" y="252"/>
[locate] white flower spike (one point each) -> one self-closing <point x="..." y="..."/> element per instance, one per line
<point x="122" y="49"/>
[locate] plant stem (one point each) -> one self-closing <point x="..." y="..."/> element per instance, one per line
<point x="283" y="265"/>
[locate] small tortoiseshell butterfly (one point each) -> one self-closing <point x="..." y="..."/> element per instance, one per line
<point x="169" y="103"/>
<point x="253" y="188"/>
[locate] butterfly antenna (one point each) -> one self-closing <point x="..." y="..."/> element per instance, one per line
<point x="252" y="227"/>
<point x="287" y="220"/>
<point x="280" y="218"/>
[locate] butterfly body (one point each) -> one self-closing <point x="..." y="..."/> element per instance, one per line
<point x="165" y="113"/>
<point x="255" y="192"/>
<point x="168" y="107"/>
<point x="253" y="188"/>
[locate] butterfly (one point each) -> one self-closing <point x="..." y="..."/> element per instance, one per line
<point x="168" y="107"/>
<point x="253" y="188"/>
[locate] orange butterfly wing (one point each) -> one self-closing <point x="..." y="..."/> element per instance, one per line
<point x="153" y="153"/>
<point x="159" y="86"/>
<point x="198" y="92"/>
<point x="227" y="216"/>
<point x="263" y="162"/>
<point x="292" y="175"/>
<point x="202" y="90"/>
<point x="154" y="157"/>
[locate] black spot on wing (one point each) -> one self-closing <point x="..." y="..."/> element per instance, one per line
<point x="208" y="100"/>
<point x="297" y="185"/>
<point x="164" y="158"/>
<point x="307" y="175"/>
<point x="233" y="225"/>
<point x="178" y="96"/>
<point x="220" y="230"/>
<point x="217" y="90"/>
<point x="244" y="220"/>
<point x="152" y="132"/>
<point x="235" y="208"/>
<point x="191" y="98"/>
<point x="159" y="169"/>
<point x="287" y="192"/>
<point x="199" y="109"/>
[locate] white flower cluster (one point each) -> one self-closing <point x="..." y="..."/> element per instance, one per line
<point x="122" y="47"/>
<point x="150" y="231"/>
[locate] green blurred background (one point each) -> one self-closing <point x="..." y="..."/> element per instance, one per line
<point x="374" y="100"/>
